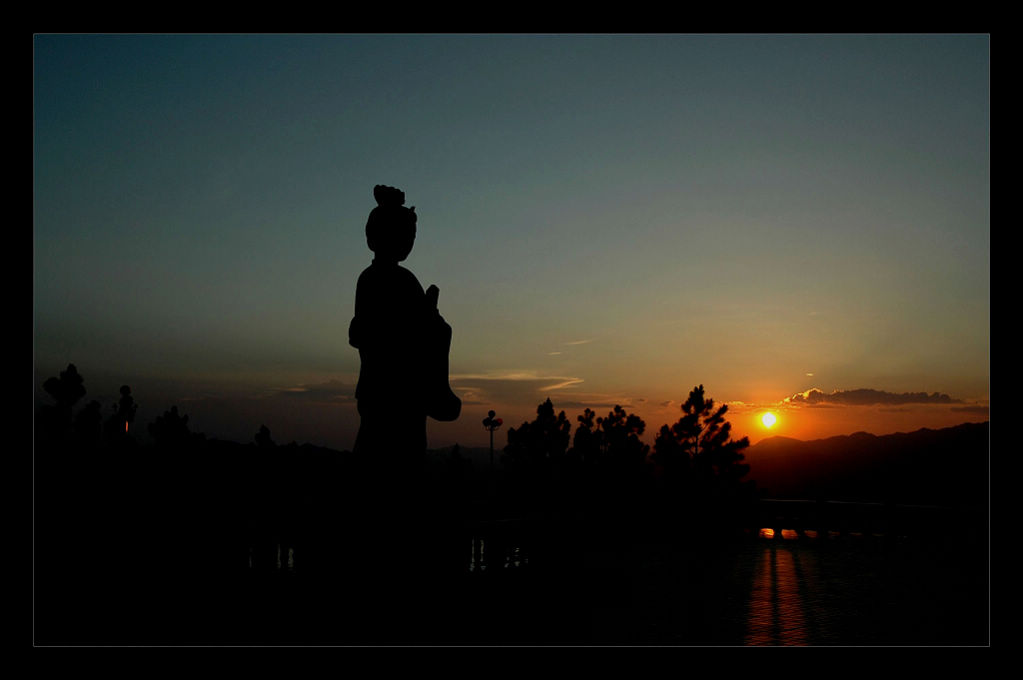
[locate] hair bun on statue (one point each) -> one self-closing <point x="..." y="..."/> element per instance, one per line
<point x="388" y="196"/>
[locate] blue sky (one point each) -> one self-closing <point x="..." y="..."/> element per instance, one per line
<point x="610" y="219"/>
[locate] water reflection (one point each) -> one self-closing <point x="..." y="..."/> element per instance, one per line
<point x="785" y="534"/>
<point x="777" y="612"/>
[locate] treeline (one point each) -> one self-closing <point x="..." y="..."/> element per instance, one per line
<point x="223" y="504"/>
<point x="159" y="541"/>
<point x="127" y="533"/>
<point x="58" y="426"/>
<point x="695" y="460"/>
<point x="264" y="505"/>
<point x="692" y="476"/>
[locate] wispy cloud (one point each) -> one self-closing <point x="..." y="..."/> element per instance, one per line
<point x="567" y="382"/>
<point x="332" y="391"/>
<point x="512" y="386"/>
<point x="579" y="342"/>
<point x="471" y="395"/>
<point x="506" y="376"/>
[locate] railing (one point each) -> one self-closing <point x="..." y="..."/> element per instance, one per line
<point x="498" y="545"/>
<point x="822" y="518"/>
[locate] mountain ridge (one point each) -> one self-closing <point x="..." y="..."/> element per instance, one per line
<point x="936" y="466"/>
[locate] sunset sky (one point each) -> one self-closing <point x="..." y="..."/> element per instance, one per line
<point x="800" y="223"/>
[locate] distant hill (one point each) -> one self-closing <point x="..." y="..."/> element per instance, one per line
<point x="946" y="466"/>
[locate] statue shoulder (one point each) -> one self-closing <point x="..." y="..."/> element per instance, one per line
<point x="409" y="280"/>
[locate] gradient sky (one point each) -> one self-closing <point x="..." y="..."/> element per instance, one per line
<point x="610" y="219"/>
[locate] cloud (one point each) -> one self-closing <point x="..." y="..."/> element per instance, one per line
<point x="866" y="397"/>
<point x="567" y="382"/>
<point x="332" y="391"/>
<point x="579" y="342"/>
<point x="471" y="395"/>
<point x="977" y="409"/>
<point x="525" y="389"/>
<point x="510" y="376"/>
<point x="521" y="387"/>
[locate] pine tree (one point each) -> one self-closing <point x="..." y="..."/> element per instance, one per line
<point x="171" y="429"/>
<point x="543" y="439"/>
<point x="621" y="437"/>
<point x="697" y="453"/>
<point x="587" y="443"/>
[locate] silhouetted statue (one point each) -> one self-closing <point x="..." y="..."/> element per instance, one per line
<point x="126" y="407"/>
<point x="124" y="414"/>
<point x="403" y="343"/>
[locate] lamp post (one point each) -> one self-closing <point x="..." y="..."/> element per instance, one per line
<point x="490" y="423"/>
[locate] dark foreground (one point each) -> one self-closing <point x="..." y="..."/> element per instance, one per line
<point x="171" y="550"/>
<point x="749" y="590"/>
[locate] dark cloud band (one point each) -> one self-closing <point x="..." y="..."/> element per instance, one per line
<point x="868" y="397"/>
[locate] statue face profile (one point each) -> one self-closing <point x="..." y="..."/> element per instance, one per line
<point x="394" y="240"/>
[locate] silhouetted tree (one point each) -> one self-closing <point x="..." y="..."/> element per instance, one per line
<point x="456" y="464"/>
<point x="55" y="421"/>
<point x="88" y="424"/>
<point x="607" y="463"/>
<point x="263" y="439"/>
<point x="67" y="389"/>
<point x="170" y="429"/>
<point x="545" y="438"/>
<point x="535" y="455"/>
<point x="697" y="452"/>
<point x="588" y="441"/>
<point x="621" y="439"/>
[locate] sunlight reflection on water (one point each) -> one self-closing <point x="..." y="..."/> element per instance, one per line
<point x="777" y="613"/>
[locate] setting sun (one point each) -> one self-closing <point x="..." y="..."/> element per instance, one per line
<point x="768" y="420"/>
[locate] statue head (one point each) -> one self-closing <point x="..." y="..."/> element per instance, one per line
<point x="391" y="227"/>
